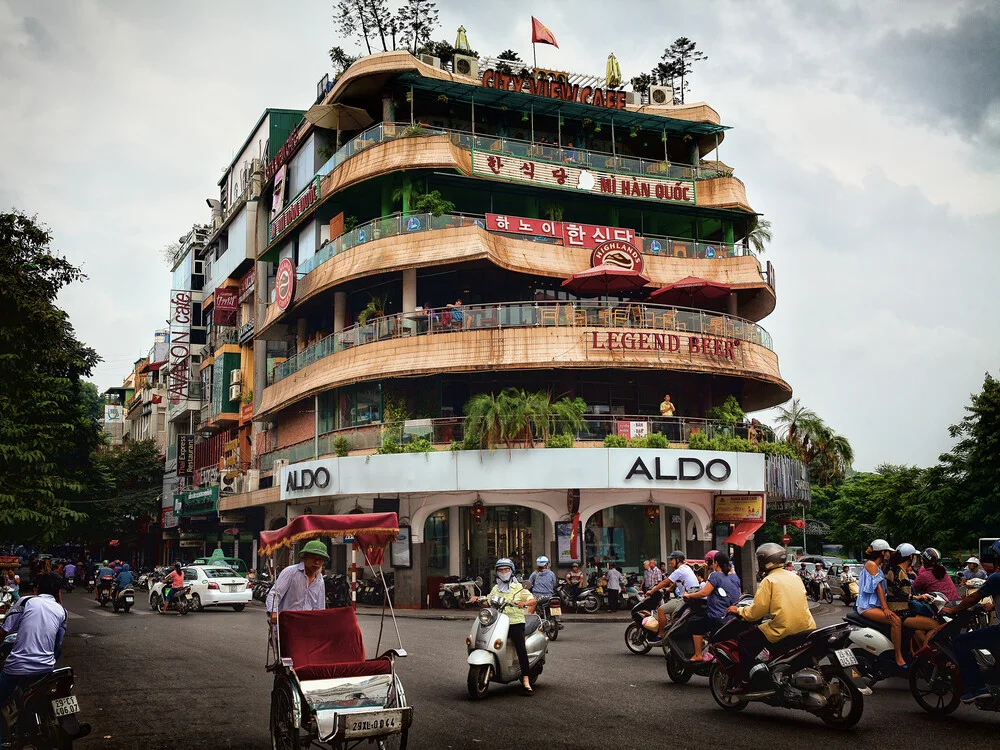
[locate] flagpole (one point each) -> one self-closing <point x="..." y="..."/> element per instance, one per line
<point x="534" y="59"/>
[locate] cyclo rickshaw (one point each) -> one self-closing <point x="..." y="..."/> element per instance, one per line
<point x="326" y="692"/>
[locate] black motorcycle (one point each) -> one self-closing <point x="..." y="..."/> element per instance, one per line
<point x="123" y="599"/>
<point x="638" y="637"/>
<point x="338" y="590"/>
<point x="815" y="671"/>
<point x="549" y="608"/>
<point x="91" y="580"/>
<point x="587" y="599"/>
<point x="69" y="583"/>
<point x="104" y="590"/>
<point x="679" y="645"/>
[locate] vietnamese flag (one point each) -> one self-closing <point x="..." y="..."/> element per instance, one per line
<point x="797" y="523"/>
<point x="540" y="33"/>
<point x="574" y="538"/>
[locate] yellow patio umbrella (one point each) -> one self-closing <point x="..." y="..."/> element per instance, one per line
<point x="613" y="72"/>
<point x="461" y="41"/>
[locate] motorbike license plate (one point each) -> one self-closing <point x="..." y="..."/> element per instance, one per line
<point x="373" y="723"/>
<point x="187" y="596"/>
<point x="65" y="706"/>
<point x="846" y="657"/>
<point x="555" y="611"/>
<point x="129" y="600"/>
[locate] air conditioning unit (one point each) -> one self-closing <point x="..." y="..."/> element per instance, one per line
<point x="434" y="62"/>
<point x="661" y="94"/>
<point x="464" y="65"/>
<point x="198" y="266"/>
<point x="633" y="97"/>
<point x="252" y="483"/>
<point x="234" y="392"/>
<point x="229" y="483"/>
<point x="235" y="377"/>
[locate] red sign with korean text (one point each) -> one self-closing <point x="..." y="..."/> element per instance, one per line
<point x="521" y="225"/>
<point x="586" y="236"/>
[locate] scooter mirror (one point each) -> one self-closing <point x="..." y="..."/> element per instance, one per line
<point x="479" y="581"/>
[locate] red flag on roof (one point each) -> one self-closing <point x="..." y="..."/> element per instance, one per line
<point x="540" y="33"/>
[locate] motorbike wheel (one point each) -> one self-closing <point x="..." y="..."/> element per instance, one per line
<point x="127" y="607"/>
<point x="448" y="601"/>
<point x="718" y="681"/>
<point x="590" y="604"/>
<point x="935" y="686"/>
<point x="284" y="733"/>
<point x="553" y="630"/>
<point x="676" y="670"/>
<point x="478" y="681"/>
<point x="239" y="607"/>
<point x="155" y="602"/>
<point x="828" y="595"/>
<point x="846" y="706"/>
<point x="183" y="607"/>
<point x="635" y="639"/>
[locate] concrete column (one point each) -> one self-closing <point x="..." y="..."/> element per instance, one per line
<point x="411" y="583"/>
<point x="300" y="335"/>
<point x="664" y="535"/>
<point x="339" y="311"/>
<point x="731" y="304"/>
<point x="454" y="542"/>
<point x="693" y="156"/>
<point x="409" y="290"/>
<point x="684" y="531"/>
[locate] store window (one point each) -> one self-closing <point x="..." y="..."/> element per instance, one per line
<point x="436" y="543"/>
<point x="505" y="531"/>
<point x="622" y="535"/>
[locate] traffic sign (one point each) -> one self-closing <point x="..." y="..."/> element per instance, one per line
<point x="786" y="539"/>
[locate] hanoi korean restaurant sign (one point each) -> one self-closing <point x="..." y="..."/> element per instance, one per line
<point x="197" y="502"/>
<point x="298" y="206"/>
<point x="739" y="508"/>
<point x="586" y="236"/>
<point x="567" y="177"/>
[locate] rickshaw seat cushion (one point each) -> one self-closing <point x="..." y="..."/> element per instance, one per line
<point x="326" y="643"/>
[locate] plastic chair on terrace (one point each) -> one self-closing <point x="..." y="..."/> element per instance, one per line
<point x="548" y="315"/>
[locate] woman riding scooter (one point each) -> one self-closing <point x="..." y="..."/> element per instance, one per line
<point x="508" y="588"/>
<point x="899" y="595"/>
<point x="722" y="589"/>
<point x="872" y="603"/>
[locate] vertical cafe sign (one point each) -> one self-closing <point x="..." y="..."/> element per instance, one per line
<point x="179" y="384"/>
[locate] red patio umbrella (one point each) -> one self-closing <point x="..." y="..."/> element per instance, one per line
<point x="691" y="291"/>
<point x="605" y="279"/>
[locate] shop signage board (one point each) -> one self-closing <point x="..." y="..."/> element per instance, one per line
<point x="554" y="85"/>
<point x="301" y="203"/>
<point x="284" y="284"/>
<point x="185" y="454"/>
<point x="645" y="341"/>
<point x="619" y="254"/>
<point x="246" y="413"/>
<point x="632" y="428"/>
<point x="168" y="519"/>
<point x="585" y="236"/>
<point x="247" y="284"/>
<point x="739" y="508"/>
<point x="568" y="177"/>
<point x="178" y="386"/>
<point x="283" y="155"/>
<point x="225" y="306"/>
<point x="197" y="502"/>
<point x="246" y="331"/>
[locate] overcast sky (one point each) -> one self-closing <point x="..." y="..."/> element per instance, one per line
<point x="869" y="133"/>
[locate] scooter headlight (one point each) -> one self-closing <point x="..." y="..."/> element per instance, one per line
<point x="486" y="617"/>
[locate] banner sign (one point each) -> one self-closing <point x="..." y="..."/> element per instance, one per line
<point x="632" y="429"/>
<point x="559" y="88"/>
<point x="586" y="236"/>
<point x="566" y="177"/>
<point x="296" y="207"/>
<point x="247" y="284"/>
<point x="564" y="549"/>
<point x="663" y="342"/>
<point x="181" y="311"/>
<point x="226" y="306"/>
<point x="739" y="508"/>
<point x="185" y="454"/>
<point x="197" y="502"/>
<point x="168" y="519"/>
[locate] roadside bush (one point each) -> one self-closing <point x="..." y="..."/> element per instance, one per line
<point x="638" y="442"/>
<point x="418" y="445"/>
<point x="615" y="441"/>
<point x="657" y="440"/>
<point x="563" y="440"/>
<point x="388" y="447"/>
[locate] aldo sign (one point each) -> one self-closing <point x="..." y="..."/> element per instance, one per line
<point x="309" y="479"/>
<point x="684" y="469"/>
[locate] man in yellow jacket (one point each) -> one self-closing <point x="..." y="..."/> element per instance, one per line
<point x="781" y="595"/>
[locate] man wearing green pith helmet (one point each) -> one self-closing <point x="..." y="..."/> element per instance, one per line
<point x="300" y="587"/>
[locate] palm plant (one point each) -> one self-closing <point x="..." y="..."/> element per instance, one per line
<point x="516" y="417"/>
<point x="486" y="420"/>
<point x="829" y="455"/>
<point x="797" y="423"/>
<point x="551" y="417"/>
<point x="760" y="236"/>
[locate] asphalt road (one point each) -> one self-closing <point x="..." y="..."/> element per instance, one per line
<point x="162" y="681"/>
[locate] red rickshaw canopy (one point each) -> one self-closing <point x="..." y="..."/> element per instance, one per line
<point x="372" y="532"/>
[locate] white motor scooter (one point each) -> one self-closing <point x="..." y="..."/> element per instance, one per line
<point x="492" y="657"/>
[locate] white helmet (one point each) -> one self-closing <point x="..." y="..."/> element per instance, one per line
<point x="542" y="561"/>
<point x="880" y="545"/>
<point x="906" y="550"/>
<point x="972" y="561"/>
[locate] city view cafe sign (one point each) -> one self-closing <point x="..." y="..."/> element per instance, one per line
<point x="556" y="88"/>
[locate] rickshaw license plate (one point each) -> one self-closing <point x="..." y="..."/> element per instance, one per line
<point x="65" y="706"/>
<point x="846" y="657"/>
<point x="374" y="723"/>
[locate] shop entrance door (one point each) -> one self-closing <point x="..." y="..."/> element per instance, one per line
<point x="504" y="531"/>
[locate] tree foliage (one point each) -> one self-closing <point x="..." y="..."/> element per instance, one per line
<point x="516" y="418"/>
<point x="127" y="491"/>
<point x="677" y="64"/>
<point x="46" y="432"/>
<point x="760" y="236"/>
<point x="416" y="21"/>
<point x="642" y="82"/>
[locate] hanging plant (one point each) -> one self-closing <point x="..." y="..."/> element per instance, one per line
<point x="587" y="122"/>
<point x="442" y="98"/>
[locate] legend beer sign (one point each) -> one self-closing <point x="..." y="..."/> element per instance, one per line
<point x="671" y="343"/>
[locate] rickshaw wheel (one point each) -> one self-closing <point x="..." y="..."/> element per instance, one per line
<point x="284" y="733"/>
<point x="393" y="741"/>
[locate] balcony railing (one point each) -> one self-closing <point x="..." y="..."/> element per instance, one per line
<point x="396" y="224"/>
<point x="520" y="149"/>
<point x="447" y="430"/>
<point x="596" y="313"/>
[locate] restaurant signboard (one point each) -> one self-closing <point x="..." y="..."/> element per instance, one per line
<point x="225" y="306"/>
<point x="247" y="284"/>
<point x="738" y="508"/>
<point x="584" y="236"/>
<point x="296" y="207"/>
<point x="185" y="454"/>
<point x="181" y="311"/>
<point x="568" y="177"/>
<point x="555" y="85"/>
<point x="197" y="502"/>
<point x="647" y="341"/>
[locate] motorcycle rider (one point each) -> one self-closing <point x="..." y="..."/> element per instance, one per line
<point x="817" y="577"/>
<point x="780" y="594"/>
<point x="872" y="600"/>
<point x="69" y="571"/>
<point x="574" y="579"/>
<point x="933" y="578"/>
<point x="987" y="638"/>
<point x="971" y="570"/>
<point x="174" y="581"/>
<point x="105" y="570"/>
<point x="542" y="581"/>
<point x="40" y="624"/>
<point x="122" y="580"/>
<point x="721" y="589"/>
<point x="509" y="589"/>
<point x="681" y="580"/>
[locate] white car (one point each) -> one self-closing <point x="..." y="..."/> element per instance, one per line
<point x="211" y="586"/>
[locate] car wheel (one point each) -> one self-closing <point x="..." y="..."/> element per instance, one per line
<point x="239" y="607"/>
<point x="196" y="603"/>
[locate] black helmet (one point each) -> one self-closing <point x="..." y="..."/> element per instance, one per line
<point x="677" y="555"/>
<point x="770" y="556"/>
<point x="177" y="567"/>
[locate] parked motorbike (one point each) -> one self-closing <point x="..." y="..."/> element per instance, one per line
<point x="549" y="608"/>
<point x="181" y="601"/>
<point x="587" y="599"/>
<point x="338" y="590"/>
<point x="630" y="594"/>
<point x="44" y="713"/>
<point x="637" y="635"/>
<point x="491" y="655"/>
<point x="455" y="593"/>
<point x="124" y="599"/>
<point x="814" y="671"/>
<point x="104" y="590"/>
<point x="935" y="680"/>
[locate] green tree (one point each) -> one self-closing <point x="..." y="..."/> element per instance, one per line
<point x="730" y="412"/>
<point x="130" y="488"/>
<point x="796" y="422"/>
<point x="341" y="60"/>
<point x="444" y="51"/>
<point x="642" y="82"/>
<point x="760" y="236"/>
<point x="416" y="21"/>
<point x="677" y="63"/>
<point x="512" y="63"/>
<point x="93" y="404"/>
<point x="46" y="433"/>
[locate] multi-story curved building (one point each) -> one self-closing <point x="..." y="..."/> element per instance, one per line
<point x="451" y="235"/>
